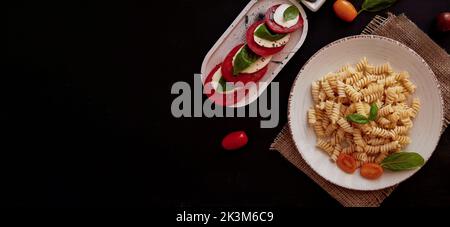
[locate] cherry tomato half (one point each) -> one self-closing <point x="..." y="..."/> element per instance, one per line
<point x="345" y="10"/>
<point x="347" y="163"/>
<point x="371" y="171"/>
<point x="234" y="140"/>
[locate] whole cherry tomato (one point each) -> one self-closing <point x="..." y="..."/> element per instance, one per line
<point x="443" y="22"/>
<point x="345" y="10"/>
<point x="371" y="171"/>
<point x="234" y="140"/>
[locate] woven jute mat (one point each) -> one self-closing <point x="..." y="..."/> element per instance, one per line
<point x="399" y="28"/>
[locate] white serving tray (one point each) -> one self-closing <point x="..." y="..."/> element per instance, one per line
<point x="235" y="34"/>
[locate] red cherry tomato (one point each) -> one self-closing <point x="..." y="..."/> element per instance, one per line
<point x="345" y="10"/>
<point x="371" y="171"/>
<point x="347" y="163"/>
<point x="234" y="140"/>
<point x="443" y="22"/>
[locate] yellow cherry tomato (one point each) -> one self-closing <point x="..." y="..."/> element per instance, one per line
<point x="345" y="10"/>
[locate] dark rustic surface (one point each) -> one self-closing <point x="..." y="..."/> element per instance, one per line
<point x="86" y="107"/>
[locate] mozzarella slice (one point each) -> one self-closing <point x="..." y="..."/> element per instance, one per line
<point x="257" y="65"/>
<point x="215" y="78"/>
<point x="278" y="17"/>
<point x="215" y="82"/>
<point x="271" y="44"/>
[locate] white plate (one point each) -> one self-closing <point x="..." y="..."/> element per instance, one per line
<point x="235" y="34"/>
<point x="427" y="126"/>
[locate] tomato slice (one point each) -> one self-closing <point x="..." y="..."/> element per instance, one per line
<point x="347" y="163"/>
<point x="223" y="99"/>
<point x="371" y="171"/>
<point x="227" y="70"/>
<point x="273" y="26"/>
<point x="259" y="50"/>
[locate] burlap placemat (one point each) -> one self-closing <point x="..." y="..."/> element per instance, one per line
<point x="403" y="30"/>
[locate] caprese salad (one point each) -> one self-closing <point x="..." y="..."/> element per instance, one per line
<point x="248" y="62"/>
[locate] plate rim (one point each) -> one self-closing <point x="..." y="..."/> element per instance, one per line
<point x="345" y="39"/>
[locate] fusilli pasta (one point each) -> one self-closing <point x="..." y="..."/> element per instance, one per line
<point x="353" y="90"/>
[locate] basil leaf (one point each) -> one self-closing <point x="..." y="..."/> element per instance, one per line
<point x="244" y="59"/>
<point x="376" y="5"/>
<point x="291" y="13"/>
<point x="264" y="33"/>
<point x="357" y="118"/>
<point x="373" y="112"/>
<point x="222" y="87"/>
<point x="402" y="161"/>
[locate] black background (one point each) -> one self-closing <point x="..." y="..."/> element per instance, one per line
<point x="86" y="110"/>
